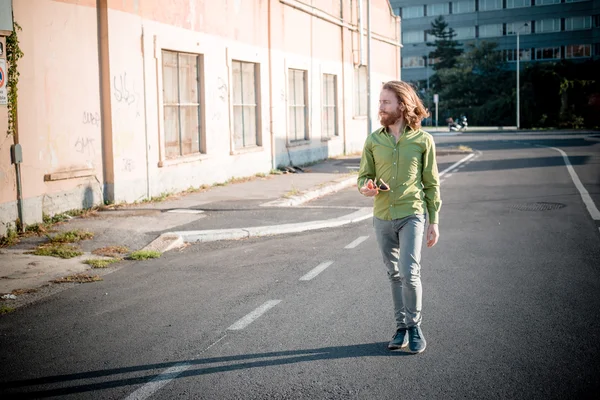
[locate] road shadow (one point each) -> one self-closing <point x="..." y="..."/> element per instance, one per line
<point x="517" y="163"/>
<point x="22" y="389"/>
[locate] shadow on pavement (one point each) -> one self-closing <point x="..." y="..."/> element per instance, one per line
<point x="378" y="349"/>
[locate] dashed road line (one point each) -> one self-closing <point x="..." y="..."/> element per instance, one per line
<point x="253" y="316"/>
<point x="356" y="242"/>
<point x="456" y="164"/>
<point x="316" y="271"/>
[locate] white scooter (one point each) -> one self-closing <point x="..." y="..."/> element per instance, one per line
<point x="458" y="126"/>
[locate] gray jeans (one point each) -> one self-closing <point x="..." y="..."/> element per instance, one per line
<point x="400" y="241"/>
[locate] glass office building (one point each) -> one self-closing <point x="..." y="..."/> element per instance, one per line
<point x="549" y="30"/>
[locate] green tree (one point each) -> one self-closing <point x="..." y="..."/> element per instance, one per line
<point x="447" y="50"/>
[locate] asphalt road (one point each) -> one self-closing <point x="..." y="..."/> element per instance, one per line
<point x="511" y="304"/>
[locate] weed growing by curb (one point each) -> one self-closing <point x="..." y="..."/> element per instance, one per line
<point x="71" y="236"/>
<point x="57" y="250"/>
<point x="101" y="262"/>
<point x="79" y="278"/>
<point x="144" y="255"/>
<point x="111" y="251"/>
<point x="4" y="309"/>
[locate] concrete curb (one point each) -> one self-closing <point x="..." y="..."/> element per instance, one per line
<point x="259" y="231"/>
<point x="313" y="194"/>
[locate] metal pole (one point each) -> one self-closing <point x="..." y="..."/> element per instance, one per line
<point x="369" y="66"/>
<point x="518" y="86"/>
<point x="361" y="30"/>
<point x="427" y="70"/>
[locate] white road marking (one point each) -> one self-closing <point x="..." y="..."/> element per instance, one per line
<point x="316" y="271"/>
<point x="456" y="164"/>
<point x="165" y="377"/>
<point x="585" y="196"/>
<point x="248" y="319"/>
<point x="448" y="176"/>
<point x="356" y="242"/>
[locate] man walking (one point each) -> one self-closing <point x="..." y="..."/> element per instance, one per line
<point x="399" y="168"/>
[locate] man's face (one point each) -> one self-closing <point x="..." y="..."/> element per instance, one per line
<point x="389" y="109"/>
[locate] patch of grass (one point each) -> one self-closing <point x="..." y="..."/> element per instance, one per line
<point x="54" y="219"/>
<point x="276" y="172"/>
<point x="59" y="250"/>
<point x="37" y="229"/>
<point x="71" y="236"/>
<point x="144" y="255"/>
<point x="11" y="237"/>
<point x="101" y="262"/>
<point x="160" y="198"/>
<point x="292" y="192"/>
<point x="4" y="309"/>
<point x="111" y="251"/>
<point x="465" y="148"/>
<point x="79" y="278"/>
<point x="19" y="292"/>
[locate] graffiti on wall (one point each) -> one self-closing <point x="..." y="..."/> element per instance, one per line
<point x="90" y="118"/>
<point x="125" y="92"/>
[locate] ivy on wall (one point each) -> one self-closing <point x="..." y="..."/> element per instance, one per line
<point x="13" y="54"/>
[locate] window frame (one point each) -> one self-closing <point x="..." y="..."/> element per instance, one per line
<point x="256" y="105"/>
<point x="455" y="4"/>
<point x="585" y="46"/>
<point x="360" y="93"/>
<point x="202" y="151"/>
<point x="306" y="106"/>
<point x="490" y="9"/>
<point x="324" y="105"/>
<point x="411" y="8"/>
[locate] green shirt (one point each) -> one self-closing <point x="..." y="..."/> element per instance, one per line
<point x="408" y="167"/>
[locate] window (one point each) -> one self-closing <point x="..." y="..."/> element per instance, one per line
<point x="298" y="115"/>
<point x="524" y="28"/>
<point x="546" y="2"/>
<point x="413" y="62"/>
<point x="463" y="6"/>
<point x="578" y="23"/>
<point x="573" y="1"/>
<point x="245" y="104"/>
<point x="518" y="3"/>
<point x="489" y="5"/>
<point x="413" y="37"/>
<point x="360" y="85"/>
<point x="465" y="32"/>
<point x="511" y="55"/>
<point x="181" y="103"/>
<point x="491" y="30"/>
<point x="438" y="9"/>
<point x="547" y="53"/>
<point x="547" y="25"/>
<point x="578" y="50"/>
<point x="329" y="115"/>
<point x="413" y="12"/>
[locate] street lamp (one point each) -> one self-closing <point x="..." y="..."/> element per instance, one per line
<point x="518" y="76"/>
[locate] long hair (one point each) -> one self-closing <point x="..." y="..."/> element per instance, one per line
<point x="414" y="110"/>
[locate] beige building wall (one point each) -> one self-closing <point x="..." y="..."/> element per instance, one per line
<point x="91" y="116"/>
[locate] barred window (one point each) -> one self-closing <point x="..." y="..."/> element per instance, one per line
<point x="245" y="104"/>
<point x="360" y="91"/>
<point x="183" y="133"/>
<point x="329" y="126"/>
<point x="297" y="105"/>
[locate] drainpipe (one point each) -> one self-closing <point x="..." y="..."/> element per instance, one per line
<point x="343" y="86"/>
<point x="360" y="33"/>
<point x="270" y="43"/>
<point x="368" y="67"/>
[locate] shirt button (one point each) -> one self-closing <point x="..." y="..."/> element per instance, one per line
<point x="394" y="163"/>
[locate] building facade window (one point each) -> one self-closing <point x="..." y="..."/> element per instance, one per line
<point x="413" y="37"/>
<point x="518" y="3"/>
<point x="245" y="104"/>
<point x="490" y="5"/>
<point x="523" y="27"/>
<point x="463" y="6"/>
<point x="465" y="32"/>
<point x="547" y="53"/>
<point x="413" y="62"/>
<point x="578" y="23"/>
<point x="360" y="91"/>
<point x="297" y="107"/>
<point x="491" y="30"/>
<point x="438" y="9"/>
<point x="511" y="55"/>
<point x="574" y="1"/>
<point x="182" y="109"/>
<point x="413" y="12"/>
<point x="578" y="51"/>
<point x="547" y="25"/>
<point x="546" y="2"/>
<point x="329" y="126"/>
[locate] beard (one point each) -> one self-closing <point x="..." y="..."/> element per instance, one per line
<point x="388" y="119"/>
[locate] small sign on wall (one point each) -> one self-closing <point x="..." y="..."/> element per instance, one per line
<point x="3" y="79"/>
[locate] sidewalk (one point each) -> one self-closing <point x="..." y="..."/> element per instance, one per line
<point x="258" y="207"/>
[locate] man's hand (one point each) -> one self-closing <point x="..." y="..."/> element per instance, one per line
<point x="433" y="234"/>
<point x="369" y="189"/>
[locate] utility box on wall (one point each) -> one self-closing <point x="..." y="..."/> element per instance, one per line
<point x="6" y="17"/>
